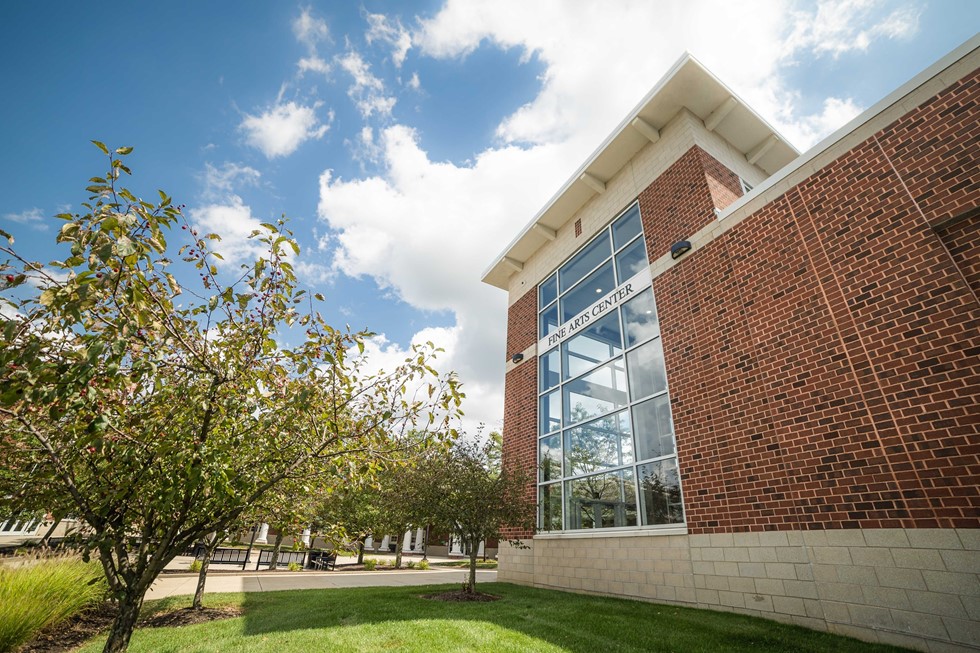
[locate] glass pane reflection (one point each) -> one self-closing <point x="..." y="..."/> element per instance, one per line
<point x="640" y="318"/>
<point x="588" y="292"/>
<point x="599" y="392"/>
<point x="548" y="374"/>
<point x="549" y="507"/>
<point x="549" y="412"/>
<point x="549" y="457"/>
<point x="598" y="343"/>
<point x="646" y="366"/>
<point x="607" y="442"/>
<point x="660" y="493"/>
<point x="654" y="431"/>
<point x="601" y="501"/>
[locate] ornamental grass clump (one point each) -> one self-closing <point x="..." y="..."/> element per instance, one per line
<point x="43" y="592"/>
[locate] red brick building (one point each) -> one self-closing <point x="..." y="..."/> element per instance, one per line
<point x="749" y="379"/>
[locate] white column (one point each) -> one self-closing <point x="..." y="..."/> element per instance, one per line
<point x="305" y="539"/>
<point x="456" y="546"/>
<point x="419" y="540"/>
<point x="407" y="544"/>
<point x="479" y="552"/>
<point x="263" y="537"/>
<point x="384" y="543"/>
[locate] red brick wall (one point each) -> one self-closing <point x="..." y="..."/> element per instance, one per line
<point x="722" y="182"/>
<point x="935" y="149"/>
<point x="520" y="436"/>
<point x="962" y="239"/>
<point x="677" y="204"/>
<point x="522" y="323"/>
<point x="824" y="355"/>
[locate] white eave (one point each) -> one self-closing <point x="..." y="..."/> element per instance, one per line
<point x="689" y="85"/>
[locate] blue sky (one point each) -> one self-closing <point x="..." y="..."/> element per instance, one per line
<point x="407" y="142"/>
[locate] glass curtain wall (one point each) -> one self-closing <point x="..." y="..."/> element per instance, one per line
<point x="606" y="455"/>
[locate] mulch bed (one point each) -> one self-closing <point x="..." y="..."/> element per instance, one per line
<point x="461" y="596"/>
<point x="71" y="633"/>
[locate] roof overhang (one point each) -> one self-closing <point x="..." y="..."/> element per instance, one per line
<point x="688" y="85"/>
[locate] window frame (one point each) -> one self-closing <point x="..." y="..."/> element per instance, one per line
<point x="621" y="359"/>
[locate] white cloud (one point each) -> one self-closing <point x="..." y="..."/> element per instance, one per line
<point x="367" y="91"/>
<point x="313" y="63"/>
<point x="381" y="28"/>
<point x="34" y="218"/>
<point x="283" y="128"/>
<point x="425" y="230"/>
<point x="314" y="273"/>
<point x="309" y="30"/>
<point x="414" y="82"/>
<point x="839" y="26"/>
<point x="231" y="219"/>
<point x="220" y="181"/>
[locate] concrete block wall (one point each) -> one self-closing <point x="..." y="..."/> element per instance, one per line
<point x="918" y="588"/>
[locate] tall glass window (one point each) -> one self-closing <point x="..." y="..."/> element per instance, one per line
<point x="606" y="452"/>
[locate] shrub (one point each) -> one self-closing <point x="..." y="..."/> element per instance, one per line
<point x="43" y="592"/>
<point x="423" y="564"/>
<point x="195" y="566"/>
<point x="411" y="564"/>
<point x="294" y="566"/>
<point x="370" y="564"/>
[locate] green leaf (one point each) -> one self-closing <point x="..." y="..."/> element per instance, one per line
<point x="123" y="151"/>
<point x="10" y="239"/>
<point x="101" y="146"/>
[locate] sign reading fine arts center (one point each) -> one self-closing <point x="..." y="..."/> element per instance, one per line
<point x="636" y="283"/>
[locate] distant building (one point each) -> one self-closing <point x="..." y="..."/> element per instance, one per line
<point x="749" y="379"/>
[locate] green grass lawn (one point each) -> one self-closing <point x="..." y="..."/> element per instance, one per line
<point x="526" y="619"/>
<point x="465" y="564"/>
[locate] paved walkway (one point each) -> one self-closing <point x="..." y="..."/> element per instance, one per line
<point x="251" y="581"/>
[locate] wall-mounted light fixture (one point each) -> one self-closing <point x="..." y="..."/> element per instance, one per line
<point x="517" y="358"/>
<point x="680" y="248"/>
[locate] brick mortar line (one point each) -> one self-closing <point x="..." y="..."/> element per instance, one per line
<point x="797" y="509"/>
<point x="925" y="221"/>
<point x="850" y="362"/>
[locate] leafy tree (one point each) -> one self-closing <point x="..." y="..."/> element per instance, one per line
<point x="157" y="414"/>
<point x="477" y="502"/>
<point x="349" y="515"/>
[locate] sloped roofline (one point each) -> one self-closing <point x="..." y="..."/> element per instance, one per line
<point x="688" y="84"/>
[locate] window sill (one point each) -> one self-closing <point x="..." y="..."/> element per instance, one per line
<point x="611" y="532"/>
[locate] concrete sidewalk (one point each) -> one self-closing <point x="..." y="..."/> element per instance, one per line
<point x="175" y="585"/>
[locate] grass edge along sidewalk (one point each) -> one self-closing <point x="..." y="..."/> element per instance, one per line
<point x="525" y="619"/>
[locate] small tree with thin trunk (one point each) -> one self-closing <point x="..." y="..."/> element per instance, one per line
<point x="477" y="501"/>
<point x="158" y="413"/>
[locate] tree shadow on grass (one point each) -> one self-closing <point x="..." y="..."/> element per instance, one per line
<point x="524" y="619"/>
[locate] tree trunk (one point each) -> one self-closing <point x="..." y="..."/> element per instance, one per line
<point x="274" y="560"/>
<point x="360" y="551"/>
<point x="202" y="575"/>
<point x="400" y="542"/>
<point x="473" y="548"/>
<point x="125" y="623"/>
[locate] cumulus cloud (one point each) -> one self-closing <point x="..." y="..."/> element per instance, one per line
<point x="34" y="218"/>
<point x="231" y="219"/>
<point x="309" y="30"/>
<point x="424" y="230"/>
<point x="391" y="32"/>
<point x="281" y="129"/>
<point x="222" y="180"/>
<point x="367" y="91"/>
<point x="313" y="63"/>
<point x="835" y="27"/>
